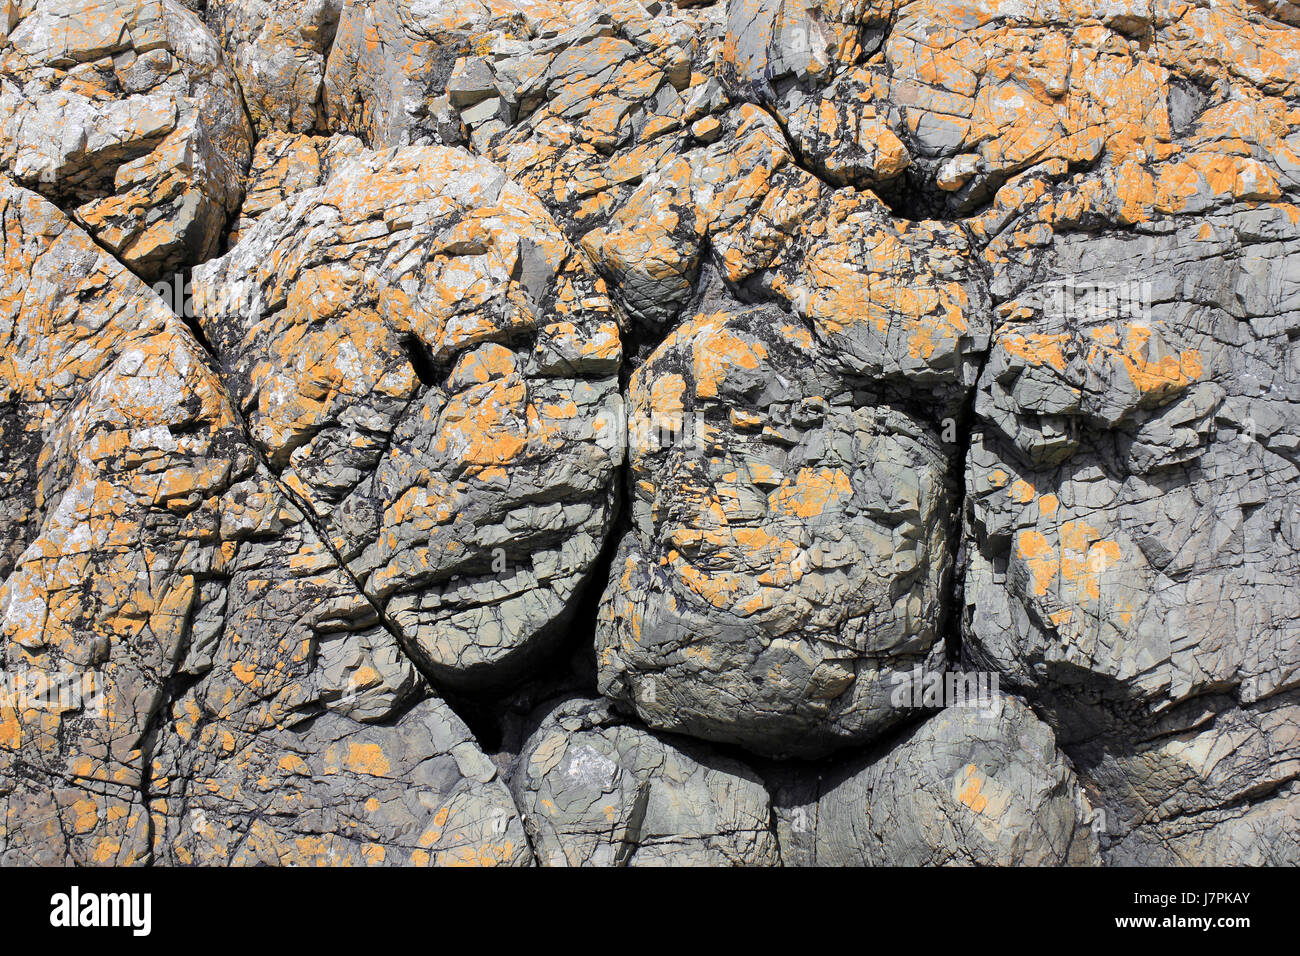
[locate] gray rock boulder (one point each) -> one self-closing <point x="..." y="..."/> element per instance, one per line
<point x="597" y="790"/>
<point x="789" y="544"/>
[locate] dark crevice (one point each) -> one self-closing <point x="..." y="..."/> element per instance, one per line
<point x="177" y="292"/>
<point x="422" y="363"/>
<point x="173" y="689"/>
<point x="963" y="424"/>
<point x="500" y="721"/>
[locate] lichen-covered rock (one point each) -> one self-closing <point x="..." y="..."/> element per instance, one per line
<point x="125" y="113"/>
<point x="849" y="131"/>
<point x="390" y="61"/>
<point x="997" y="88"/>
<point x="597" y="790"/>
<point x="77" y="684"/>
<point x="651" y="248"/>
<point x="903" y="304"/>
<point x="951" y="336"/>
<point x="160" y="553"/>
<point x="587" y="108"/>
<point x="789" y="543"/>
<point x="1132" y="533"/>
<point x="775" y="43"/>
<point x="285" y="164"/>
<point x="433" y="368"/>
<point x="974" y="785"/>
<point x="277" y="48"/>
<point x="331" y="792"/>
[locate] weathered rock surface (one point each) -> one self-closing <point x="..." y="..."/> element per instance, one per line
<point x="277" y="49"/>
<point x="433" y="368"/>
<point x="158" y="552"/>
<point x="1132" y="529"/>
<point x="388" y="68"/>
<point x="285" y="164"/>
<point x="707" y="366"/>
<point x="974" y="785"/>
<point x="126" y="114"/>
<point x="788" y="548"/>
<point x="599" y="791"/>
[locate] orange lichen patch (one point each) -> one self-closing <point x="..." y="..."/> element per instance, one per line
<point x="106" y="851"/>
<point x="1062" y="617"/>
<point x="1085" y="557"/>
<point x="1158" y="377"/>
<point x="368" y="759"/>
<point x="720" y="589"/>
<point x="666" y="397"/>
<point x="11" y="730"/>
<point x="1136" y="189"/>
<point x="798" y="335"/>
<point x="1048" y="504"/>
<point x="920" y="345"/>
<point x="243" y="673"/>
<point x="1021" y="491"/>
<point x="1219" y="174"/>
<point x="292" y="764"/>
<point x="716" y="350"/>
<point x="491" y="424"/>
<point x="1077" y="535"/>
<point x="85" y="815"/>
<point x="1041" y="559"/>
<point x="969" y="785"/>
<point x="487" y="854"/>
<point x="489" y="361"/>
<point x="602" y="344"/>
<point x="1037" y="348"/>
<point x="812" y="492"/>
<point x="891" y="287"/>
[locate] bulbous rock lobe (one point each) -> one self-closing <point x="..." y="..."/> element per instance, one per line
<point x="599" y="791"/>
<point x="788" y="549"/>
<point x="126" y="114"/>
<point x="980" y="784"/>
<point x="432" y="367"/>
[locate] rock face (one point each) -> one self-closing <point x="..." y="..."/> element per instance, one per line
<point x="592" y="419"/>
<point x="429" y="364"/>
<point x="126" y="114"/>
<point x="974" y="786"/>
<point x="597" y="791"/>
<point x="788" y="544"/>
<point x="277" y="50"/>
<point x="157" y="552"/>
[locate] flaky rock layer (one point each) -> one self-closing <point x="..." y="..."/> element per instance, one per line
<point x="569" y="433"/>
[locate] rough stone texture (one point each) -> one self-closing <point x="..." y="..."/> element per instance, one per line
<point x="277" y="48"/>
<point x="285" y="164"/>
<point x="159" y="552"/>
<point x="429" y="364"/>
<point x="389" y="65"/>
<point x="332" y="792"/>
<point x="1133" y="535"/>
<point x="972" y="786"/>
<point x="707" y="366"/>
<point x="900" y="303"/>
<point x="788" y="547"/>
<point x="598" y="791"/>
<point x="125" y="113"/>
